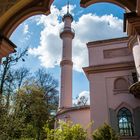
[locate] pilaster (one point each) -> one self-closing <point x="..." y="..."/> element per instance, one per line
<point x="132" y="26"/>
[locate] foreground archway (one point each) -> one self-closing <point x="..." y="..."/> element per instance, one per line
<point x="128" y="5"/>
<point x="19" y="11"/>
<point x="15" y="12"/>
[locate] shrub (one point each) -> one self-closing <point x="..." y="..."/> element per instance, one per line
<point x="105" y="132"/>
<point x="66" y="131"/>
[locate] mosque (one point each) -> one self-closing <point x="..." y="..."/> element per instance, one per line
<point x="113" y="71"/>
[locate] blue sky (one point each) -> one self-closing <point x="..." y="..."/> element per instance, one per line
<point x="41" y="34"/>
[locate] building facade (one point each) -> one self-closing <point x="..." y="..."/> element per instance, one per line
<point x="111" y="65"/>
<point x="110" y="73"/>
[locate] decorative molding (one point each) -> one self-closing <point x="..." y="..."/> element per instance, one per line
<point x="67" y="32"/>
<point x="118" y="52"/>
<point x="107" y="42"/>
<point x="72" y="109"/>
<point x="132" y="41"/>
<point x="124" y="104"/>
<point x="109" y="67"/>
<point x="120" y="91"/>
<point x="132" y="23"/>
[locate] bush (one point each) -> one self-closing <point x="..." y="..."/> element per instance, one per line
<point x="105" y="132"/>
<point x="66" y="131"/>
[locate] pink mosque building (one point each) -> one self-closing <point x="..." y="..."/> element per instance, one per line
<point x="111" y="72"/>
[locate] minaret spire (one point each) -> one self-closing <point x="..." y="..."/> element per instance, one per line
<point x="68" y="4"/>
<point x="66" y="34"/>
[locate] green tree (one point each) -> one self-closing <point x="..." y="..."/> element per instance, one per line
<point x="7" y="65"/>
<point x="105" y="132"/>
<point x="35" y="101"/>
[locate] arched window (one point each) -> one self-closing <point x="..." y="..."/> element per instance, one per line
<point x="121" y="84"/>
<point x="125" y="122"/>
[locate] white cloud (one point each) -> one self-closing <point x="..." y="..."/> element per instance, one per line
<point x="85" y="94"/>
<point x="26" y="33"/>
<point x="25" y="29"/>
<point x="64" y="9"/>
<point x="89" y="27"/>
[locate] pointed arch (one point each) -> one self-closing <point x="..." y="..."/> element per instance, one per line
<point x="125" y="122"/>
<point x="124" y="104"/>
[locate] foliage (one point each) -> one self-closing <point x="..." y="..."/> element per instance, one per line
<point x="32" y="99"/>
<point x="105" y="132"/>
<point x="6" y="67"/>
<point x="82" y="101"/>
<point x="66" y="131"/>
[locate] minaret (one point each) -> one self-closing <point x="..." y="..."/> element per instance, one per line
<point x="66" y="34"/>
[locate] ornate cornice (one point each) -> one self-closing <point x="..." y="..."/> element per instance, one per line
<point x="132" y="23"/>
<point x="107" y="42"/>
<point x="67" y="31"/>
<point x="109" y="68"/>
<point x="72" y="109"/>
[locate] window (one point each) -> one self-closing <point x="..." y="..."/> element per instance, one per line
<point x="125" y="122"/>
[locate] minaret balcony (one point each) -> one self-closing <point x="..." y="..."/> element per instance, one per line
<point x="67" y="30"/>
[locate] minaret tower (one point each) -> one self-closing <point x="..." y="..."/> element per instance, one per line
<point x="66" y="34"/>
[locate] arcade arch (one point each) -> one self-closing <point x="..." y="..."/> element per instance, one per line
<point x="19" y="11"/>
<point x="127" y="5"/>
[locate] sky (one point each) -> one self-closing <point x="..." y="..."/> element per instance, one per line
<point x="41" y="35"/>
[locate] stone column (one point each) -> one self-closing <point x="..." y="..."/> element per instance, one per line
<point x="136" y="54"/>
<point x="132" y="21"/>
